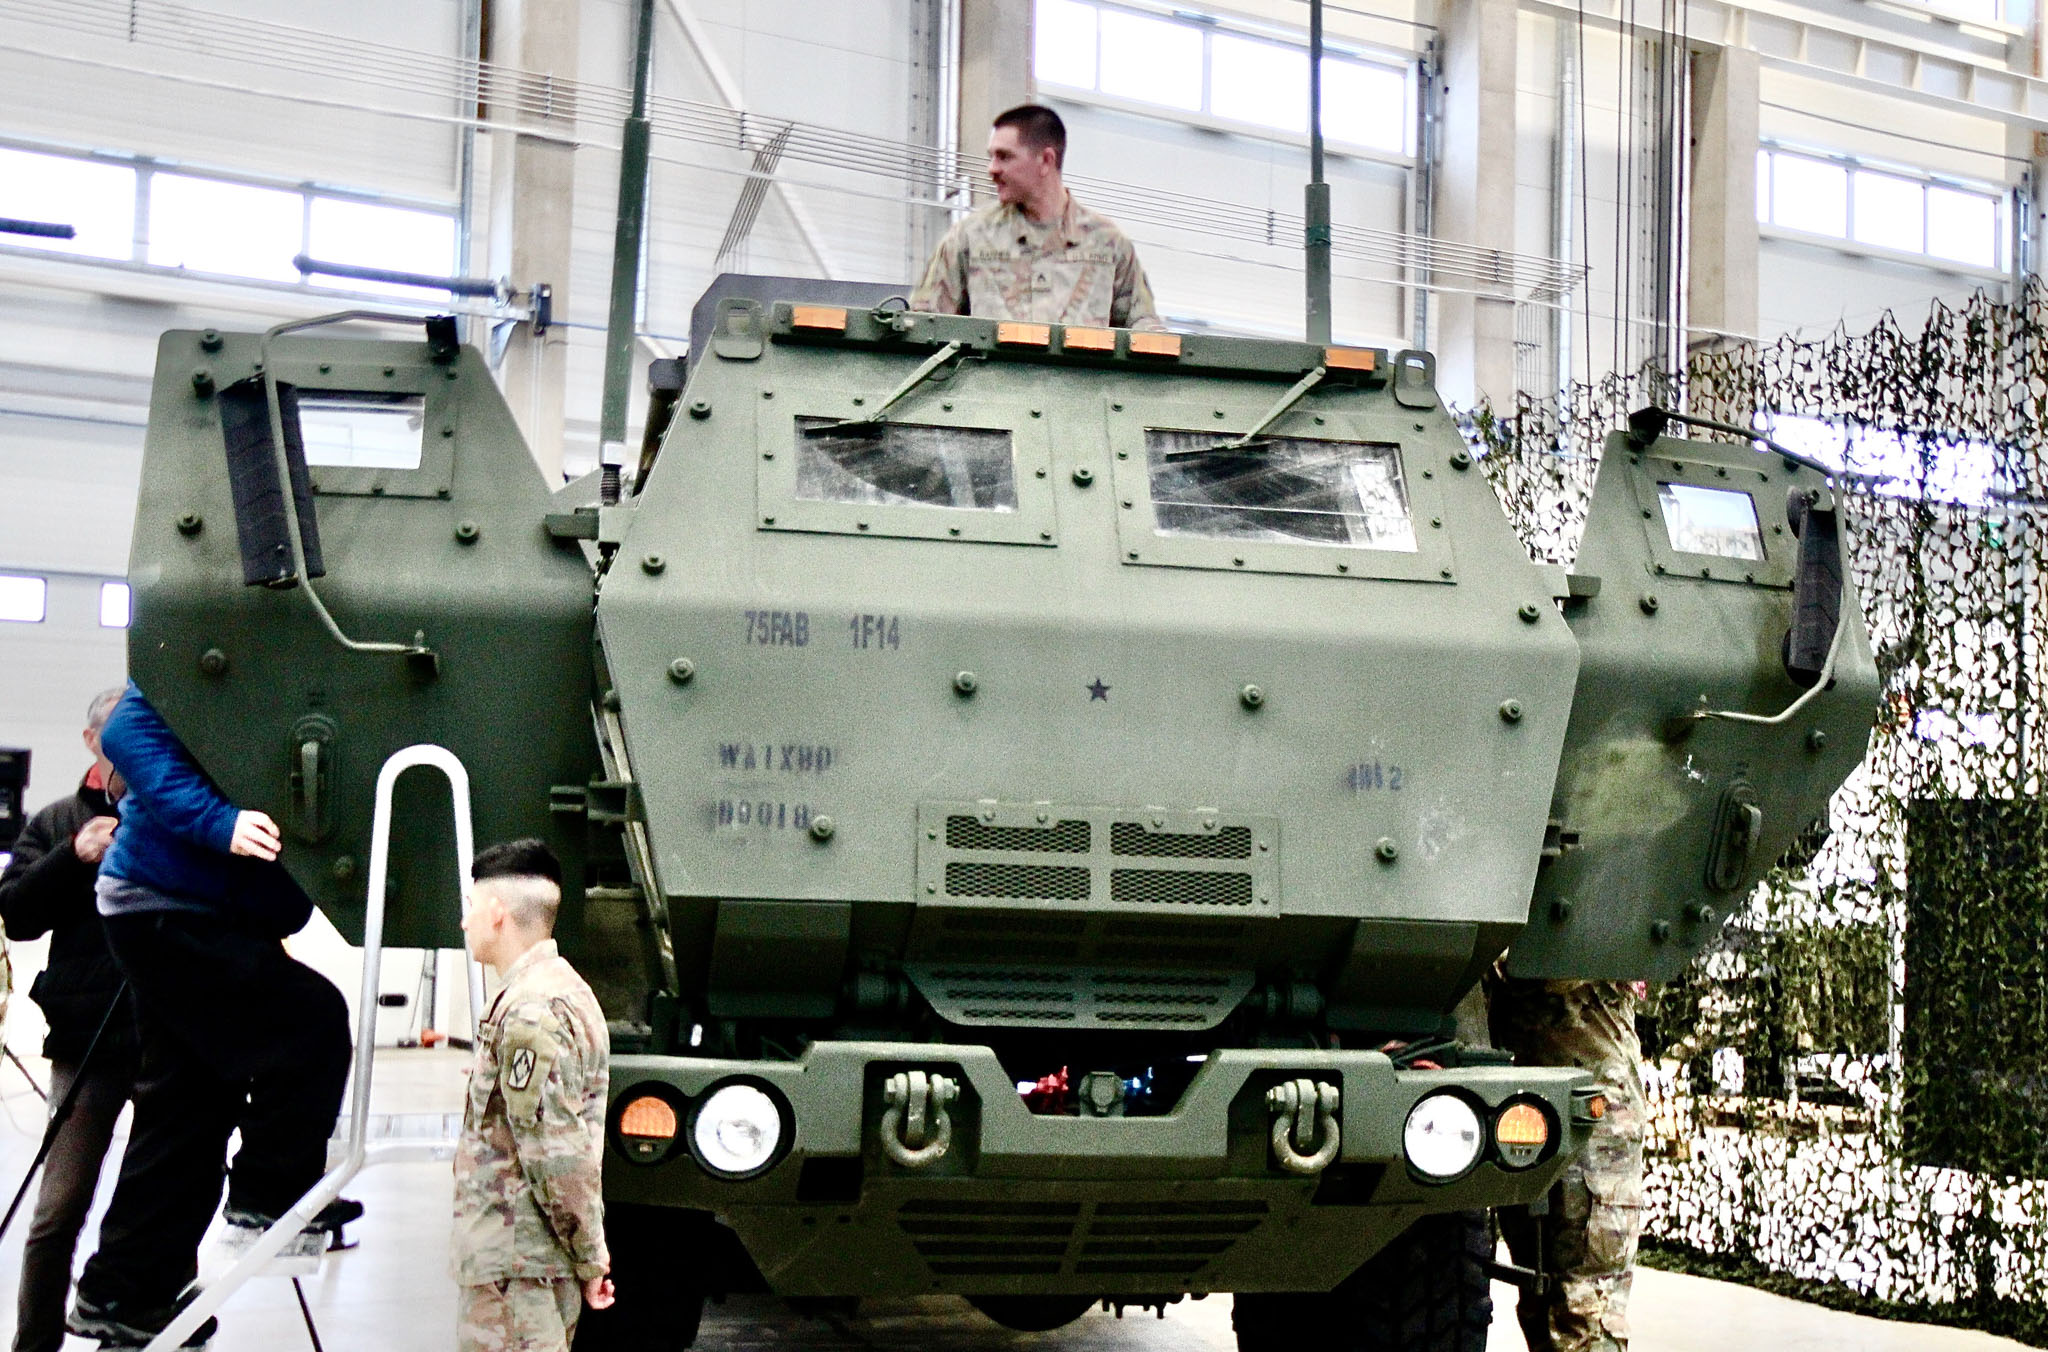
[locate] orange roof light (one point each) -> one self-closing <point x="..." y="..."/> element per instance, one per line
<point x="1522" y="1124"/>
<point x="1088" y="340"/>
<point x="1155" y="345"/>
<point x="648" y="1116"/>
<point x="828" y="317"/>
<point x="1012" y="334"/>
<point x="1350" y="358"/>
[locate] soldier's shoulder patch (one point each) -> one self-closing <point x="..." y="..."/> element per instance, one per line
<point x="519" y="1067"/>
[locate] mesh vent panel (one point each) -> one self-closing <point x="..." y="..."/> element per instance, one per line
<point x="1022" y="880"/>
<point x="1160" y="887"/>
<point x="1232" y="842"/>
<point x="1066" y="837"/>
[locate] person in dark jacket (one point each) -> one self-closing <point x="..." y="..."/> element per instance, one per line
<point x="48" y="889"/>
<point x="235" y="1033"/>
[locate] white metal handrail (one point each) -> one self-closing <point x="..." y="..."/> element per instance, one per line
<point x="361" y="1154"/>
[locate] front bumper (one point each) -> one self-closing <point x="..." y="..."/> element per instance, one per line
<point x="1191" y="1201"/>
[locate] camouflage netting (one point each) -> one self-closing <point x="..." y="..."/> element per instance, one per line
<point x="1850" y="1090"/>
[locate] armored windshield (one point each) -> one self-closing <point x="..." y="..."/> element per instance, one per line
<point x="1345" y="493"/>
<point x="906" y="464"/>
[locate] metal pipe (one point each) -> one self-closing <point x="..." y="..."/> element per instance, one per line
<point x="626" y="250"/>
<point x="457" y="286"/>
<point x="1316" y="198"/>
<point x="1564" y="244"/>
<point x="465" y="143"/>
<point x="1428" y="96"/>
<point x="9" y="225"/>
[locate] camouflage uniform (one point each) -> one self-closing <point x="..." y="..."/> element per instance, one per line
<point x="529" y="1206"/>
<point x="1001" y="264"/>
<point x="1596" y="1209"/>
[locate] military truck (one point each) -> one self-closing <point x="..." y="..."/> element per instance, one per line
<point x="1033" y="795"/>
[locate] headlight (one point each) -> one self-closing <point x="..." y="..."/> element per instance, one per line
<point x="737" y="1131"/>
<point x="1443" y="1136"/>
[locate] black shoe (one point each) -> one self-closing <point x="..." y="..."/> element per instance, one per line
<point x="124" y="1323"/>
<point x="327" y="1220"/>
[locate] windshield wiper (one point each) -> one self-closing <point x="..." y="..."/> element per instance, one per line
<point x="1251" y="441"/>
<point x="868" y="425"/>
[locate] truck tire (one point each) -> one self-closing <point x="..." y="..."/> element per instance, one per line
<point x="659" y="1305"/>
<point x="1033" y="1314"/>
<point x="1428" y="1291"/>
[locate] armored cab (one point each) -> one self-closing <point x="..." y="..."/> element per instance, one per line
<point x="1035" y="793"/>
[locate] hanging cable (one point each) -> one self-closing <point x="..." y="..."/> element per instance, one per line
<point x="1585" y="203"/>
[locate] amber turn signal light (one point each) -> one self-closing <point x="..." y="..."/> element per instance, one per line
<point x="1522" y="1124"/>
<point x="649" y="1118"/>
<point x="1155" y="345"/>
<point x="1010" y="333"/>
<point x="1521" y="1132"/>
<point x="828" y="317"/>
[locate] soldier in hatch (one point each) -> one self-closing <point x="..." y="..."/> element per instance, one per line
<point x="529" y="1248"/>
<point x="1037" y="254"/>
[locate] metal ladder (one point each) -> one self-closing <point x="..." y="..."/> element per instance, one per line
<point x="361" y="1153"/>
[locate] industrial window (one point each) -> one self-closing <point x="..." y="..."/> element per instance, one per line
<point x="1956" y="223"/>
<point x="1911" y="466"/>
<point x="372" y="235"/>
<point x="1985" y="11"/>
<point x="214" y="224"/>
<point x="96" y="200"/>
<point x="116" y="605"/>
<point x="1190" y="63"/>
<point x="209" y="225"/>
<point x="1152" y="60"/>
<point x="23" y="600"/>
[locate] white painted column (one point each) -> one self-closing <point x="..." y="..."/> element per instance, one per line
<point x="1722" y="283"/>
<point x="1475" y="194"/>
<point x="532" y="196"/>
<point x="995" y="66"/>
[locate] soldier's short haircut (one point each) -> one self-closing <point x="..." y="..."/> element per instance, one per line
<point x="529" y="879"/>
<point x="1038" y="127"/>
<point x="102" y="707"/>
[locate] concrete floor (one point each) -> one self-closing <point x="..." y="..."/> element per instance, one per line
<point x="392" y="1294"/>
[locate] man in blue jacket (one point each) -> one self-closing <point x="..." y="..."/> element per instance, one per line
<point x="235" y="1033"/>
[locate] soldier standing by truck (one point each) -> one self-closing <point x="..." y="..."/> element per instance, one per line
<point x="1037" y="254"/>
<point x="529" y="1248"/>
<point x="1587" y="1242"/>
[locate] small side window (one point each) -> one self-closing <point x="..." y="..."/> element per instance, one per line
<point x="362" y="430"/>
<point x="1712" y="521"/>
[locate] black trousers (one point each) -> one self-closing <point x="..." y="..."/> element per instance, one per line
<point x="235" y="1034"/>
<point x="69" y="1178"/>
